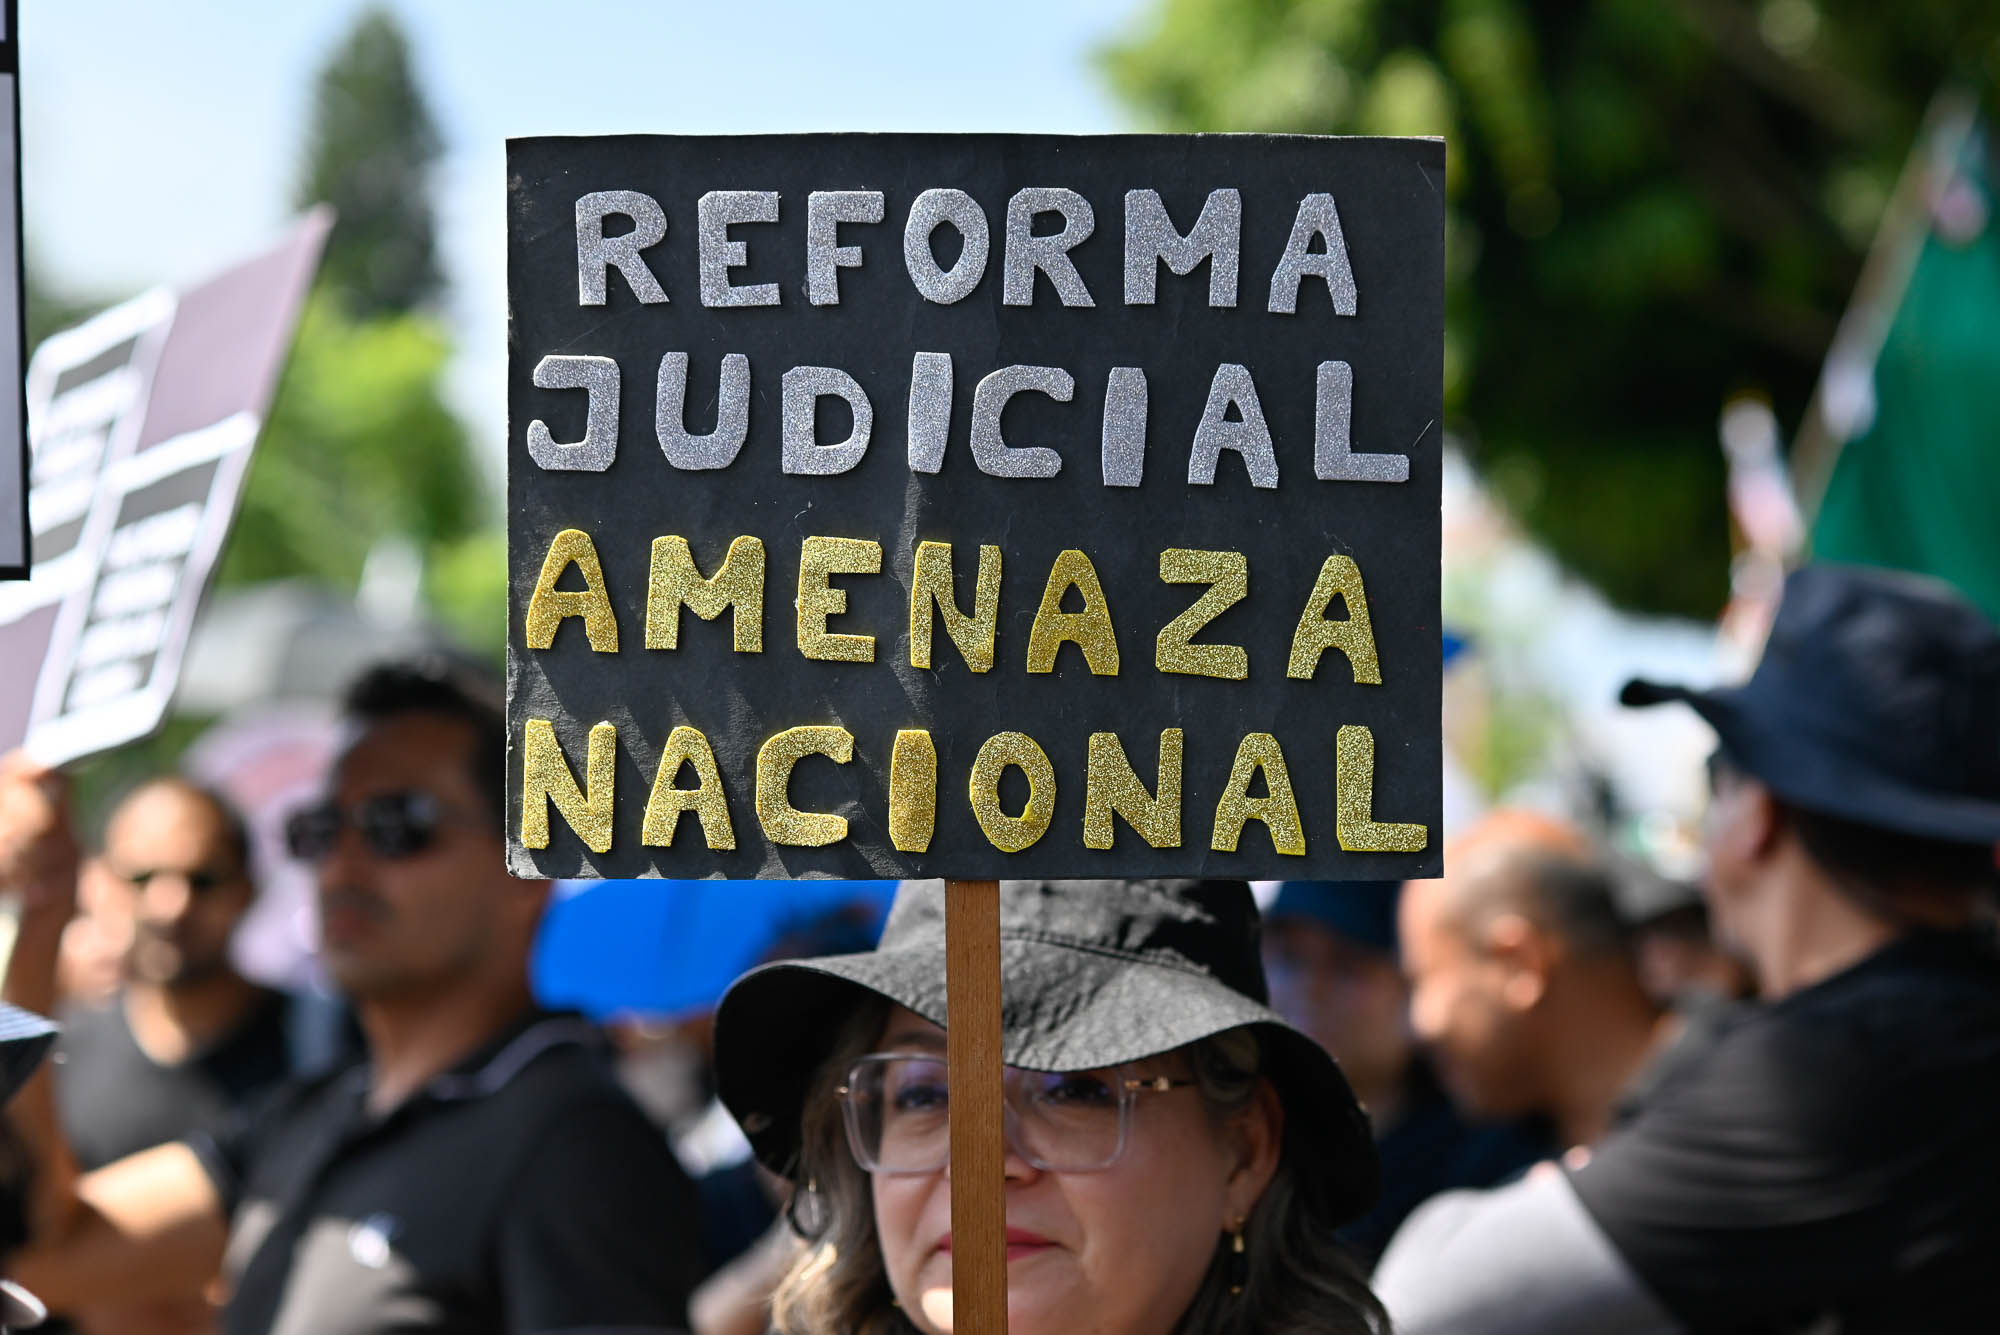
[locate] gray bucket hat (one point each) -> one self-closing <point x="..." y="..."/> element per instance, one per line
<point x="1094" y="973"/>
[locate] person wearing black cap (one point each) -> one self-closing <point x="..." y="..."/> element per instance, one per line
<point x="1177" y="1155"/>
<point x="1831" y="1162"/>
<point x="1331" y="953"/>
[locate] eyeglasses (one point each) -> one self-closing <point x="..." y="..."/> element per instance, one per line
<point x="391" y="825"/>
<point x="897" y="1107"/>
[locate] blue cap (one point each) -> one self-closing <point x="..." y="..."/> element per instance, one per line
<point x="1364" y="912"/>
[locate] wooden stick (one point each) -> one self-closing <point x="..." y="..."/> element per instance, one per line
<point x="978" y="1128"/>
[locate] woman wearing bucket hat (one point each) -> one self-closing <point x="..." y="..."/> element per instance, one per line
<point x="1178" y="1156"/>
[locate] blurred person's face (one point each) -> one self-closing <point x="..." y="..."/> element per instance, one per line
<point x="1118" y="1251"/>
<point x="1737" y="831"/>
<point x="169" y="870"/>
<point x="1468" y="1005"/>
<point x="419" y="919"/>
<point x="1675" y="962"/>
<point x="1346" y="997"/>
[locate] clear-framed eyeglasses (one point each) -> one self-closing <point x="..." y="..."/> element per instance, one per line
<point x="897" y="1107"/>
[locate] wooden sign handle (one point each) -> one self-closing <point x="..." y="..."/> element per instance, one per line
<point x="978" y="1127"/>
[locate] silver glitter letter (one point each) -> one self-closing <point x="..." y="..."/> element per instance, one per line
<point x="1317" y="217"/>
<point x="1334" y="459"/>
<point x="715" y="211"/>
<point x="1027" y="252"/>
<point x="596" y="252"/>
<point x="803" y="387"/>
<point x="599" y="446"/>
<point x="1125" y="427"/>
<point x="732" y="414"/>
<point x="1249" y="437"/>
<point x="963" y="212"/>
<point x="826" y="210"/>
<point x="1150" y="237"/>
<point x="930" y="410"/>
<point x="995" y="457"/>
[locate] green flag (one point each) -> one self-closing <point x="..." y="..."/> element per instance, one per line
<point x="1915" y="484"/>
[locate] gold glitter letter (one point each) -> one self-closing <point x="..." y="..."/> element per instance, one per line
<point x="1354" y="800"/>
<point x="1090" y="630"/>
<point x="1228" y="576"/>
<point x="1353" y="637"/>
<point x="549" y="605"/>
<point x="1111" y="786"/>
<point x="783" y="823"/>
<point x="686" y="746"/>
<point x="819" y="558"/>
<point x="1011" y="834"/>
<point x="1278" y="809"/>
<point x="912" y="791"/>
<point x="546" y="778"/>
<point x="933" y="585"/>
<point x="675" y="581"/>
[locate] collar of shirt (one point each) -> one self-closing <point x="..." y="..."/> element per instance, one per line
<point x="487" y="1069"/>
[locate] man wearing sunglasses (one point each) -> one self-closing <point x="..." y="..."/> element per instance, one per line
<point x="481" y="1172"/>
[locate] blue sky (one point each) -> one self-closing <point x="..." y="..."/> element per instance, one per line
<point x="160" y="140"/>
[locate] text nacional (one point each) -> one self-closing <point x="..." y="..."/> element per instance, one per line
<point x="1112" y="786"/>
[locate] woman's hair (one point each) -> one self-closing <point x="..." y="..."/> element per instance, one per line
<point x="1298" y="1280"/>
<point x="838" y="1286"/>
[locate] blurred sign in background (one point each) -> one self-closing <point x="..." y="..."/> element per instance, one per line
<point x="13" y="326"/>
<point x="142" y="421"/>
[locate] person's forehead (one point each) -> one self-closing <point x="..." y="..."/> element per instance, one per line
<point x="1427" y="932"/>
<point x="406" y="751"/>
<point x="164" y="814"/>
<point x="904" y="1026"/>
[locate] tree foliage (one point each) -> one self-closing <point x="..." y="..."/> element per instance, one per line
<point x="360" y="446"/>
<point x="369" y="153"/>
<point x="1652" y="204"/>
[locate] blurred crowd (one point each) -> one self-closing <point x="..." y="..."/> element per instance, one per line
<point x="1598" y="1099"/>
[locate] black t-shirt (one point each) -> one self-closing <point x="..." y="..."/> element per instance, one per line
<point x="115" y="1100"/>
<point x="1430" y="1149"/>
<point x="1835" y="1153"/>
<point x="522" y="1193"/>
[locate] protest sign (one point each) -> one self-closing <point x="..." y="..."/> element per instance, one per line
<point x="141" y="424"/>
<point x="974" y="505"/>
<point x="13" y="315"/>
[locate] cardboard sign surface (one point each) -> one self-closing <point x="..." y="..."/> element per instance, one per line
<point x="777" y="401"/>
<point x="143" y="422"/>
<point x="14" y="548"/>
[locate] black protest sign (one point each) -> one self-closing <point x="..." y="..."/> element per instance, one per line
<point x="14" y="540"/>
<point x="974" y="505"/>
<point x="143" y="419"/>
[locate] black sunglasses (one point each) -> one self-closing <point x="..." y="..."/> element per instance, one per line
<point x="391" y="825"/>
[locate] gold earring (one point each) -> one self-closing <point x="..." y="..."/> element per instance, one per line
<point x="1239" y="1261"/>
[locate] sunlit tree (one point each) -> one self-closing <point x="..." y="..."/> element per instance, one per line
<point x="1653" y="204"/>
